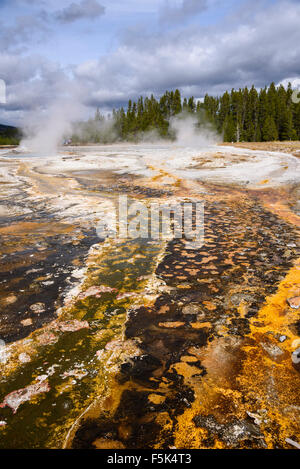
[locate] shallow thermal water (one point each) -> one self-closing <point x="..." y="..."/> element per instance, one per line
<point x="114" y="343"/>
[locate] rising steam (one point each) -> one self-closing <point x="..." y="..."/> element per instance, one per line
<point x="192" y="132"/>
<point x="47" y="128"/>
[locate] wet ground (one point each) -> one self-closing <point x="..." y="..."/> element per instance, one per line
<point x="147" y="343"/>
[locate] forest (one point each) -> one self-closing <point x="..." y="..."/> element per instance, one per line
<point x="240" y="115"/>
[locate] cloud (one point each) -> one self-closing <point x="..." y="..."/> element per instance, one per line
<point x="247" y="49"/>
<point x="264" y="48"/>
<point x="86" y="9"/>
<point x="37" y="23"/>
<point x="26" y="29"/>
<point x="182" y="11"/>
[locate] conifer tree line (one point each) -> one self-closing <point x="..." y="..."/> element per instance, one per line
<point x="240" y="115"/>
<point x="252" y="116"/>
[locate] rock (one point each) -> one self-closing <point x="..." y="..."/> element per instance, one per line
<point x="191" y="309"/>
<point x="171" y="325"/>
<point x="122" y="296"/>
<point x="294" y="302"/>
<point x="274" y="352"/>
<point x="257" y="418"/>
<point x="95" y="291"/>
<point x="293" y="443"/>
<point x="78" y="374"/>
<point x="282" y="338"/>
<point x="26" y="322"/>
<point x="237" y="298"/>
<point x="9" y="300"/>
<point x="296" y="359"/>
<point x="296" y="343"/>
<point x="38" y="308"/>
<point x="24" y="358"/>
<point x="16" y="398"/>
<point x="47" y="338"/>
<point x="71" y="326"/>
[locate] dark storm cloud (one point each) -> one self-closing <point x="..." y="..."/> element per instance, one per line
<point x="76" y="11"/>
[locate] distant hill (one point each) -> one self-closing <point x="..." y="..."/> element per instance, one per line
<point x="9" y="135"/>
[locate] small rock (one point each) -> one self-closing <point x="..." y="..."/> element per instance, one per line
<point x="72" y="325"/>
<point x="296" y="356"/>
<point x="122" y="296"/>
<point x="95" y="291"/>
<point x="24" y="358"/>
<point x="272" y="350"/>
<point x="78" y="374"/>
<point x="47" y="338"/>
<point x="38" y="308"/>
<point x="282" y="338"/>
<point x="9" y="300"/>
<point x="26" y="322"/>
<point x="191" y="309"/>
<point x="296" y="343"/>
<point x="171" y="325"/>
<point x="294" y="302"/>
<point x="293" y="443"/>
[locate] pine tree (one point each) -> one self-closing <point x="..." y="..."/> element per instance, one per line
<point x="191" y="105"/>
<point x="98" y="116"/>
<point x="269" y="132"/>
<point x="176" y="104"/>
<point x="229" y="129"/>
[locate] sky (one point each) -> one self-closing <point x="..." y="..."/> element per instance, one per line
<point x="103" y="52"/>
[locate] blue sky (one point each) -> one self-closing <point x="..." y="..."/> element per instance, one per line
<point x="105" y="52"/>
